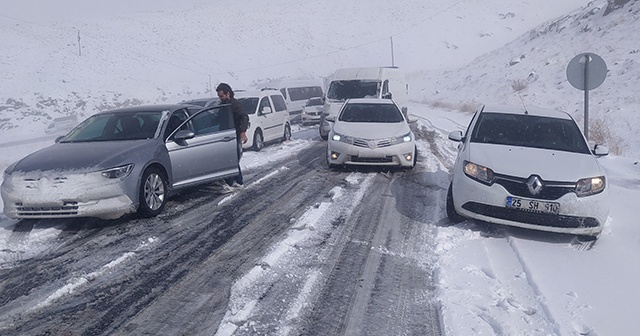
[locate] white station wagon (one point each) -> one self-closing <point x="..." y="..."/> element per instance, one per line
<point x="530" y="168"/>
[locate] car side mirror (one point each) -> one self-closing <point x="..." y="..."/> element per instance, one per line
<point x="266" y="110"/>
<point x="184" y="135"/>
<point x="600" y="150"/>
<point x="456" y="136"/>
<point x="59" y="138"/>
<point x="330" y="118"/>
<point x="412" y="120"/>
<point x="387" y="95"/>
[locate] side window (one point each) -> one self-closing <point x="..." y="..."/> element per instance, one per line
<point x="213" y="120"/>
<point x="284" y="92"/>
<point x="264" y="102"/>
<point x="177" y="118"/>
<point x="279" y="103"/>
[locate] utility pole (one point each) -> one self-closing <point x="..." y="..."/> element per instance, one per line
<point x="392" y="60"/>
<point x="210" y="87"/>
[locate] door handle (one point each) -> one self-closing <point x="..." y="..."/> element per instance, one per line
<point x="227" y="139"/>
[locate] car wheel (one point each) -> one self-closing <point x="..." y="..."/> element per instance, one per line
<point x="258" y="141"/>
<point x="153" y="193"/>
<point x="451" y="210"/>
<point x="287" y="133"/>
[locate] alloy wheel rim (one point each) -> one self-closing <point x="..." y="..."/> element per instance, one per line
<point x="259" y="141"/>
<point x="154" y="192"/>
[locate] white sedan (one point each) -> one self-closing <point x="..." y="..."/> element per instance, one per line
<point x="530" y="168"/>
<point x="371" y="132"/>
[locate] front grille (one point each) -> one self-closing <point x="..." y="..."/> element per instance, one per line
<point x="67" y="209"/>
<point x="535" y="218"/>
<point x="551" y="190"/>
<point x="387" y="159"/>
<point x="370" y="143"/>
<point x="38" y="183"/>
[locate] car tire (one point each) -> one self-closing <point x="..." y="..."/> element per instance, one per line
<point x="451" y="210"/>
<point x="258" y="141"/>
<point x="287" y="133"/>
<point x="153" y="192"/>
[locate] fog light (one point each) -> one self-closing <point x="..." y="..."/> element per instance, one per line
<point x="334" y="155"/>
<point x="408" y="157"/>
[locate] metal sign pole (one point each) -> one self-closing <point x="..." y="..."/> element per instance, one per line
<point x="587" y="59"/>
<point x="586" y="71"/>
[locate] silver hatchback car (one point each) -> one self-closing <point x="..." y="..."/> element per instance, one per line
<point x="121" y="161"/>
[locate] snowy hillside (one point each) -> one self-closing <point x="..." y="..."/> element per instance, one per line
<point x="533" y="67"/>
<point x="73" y="57"/>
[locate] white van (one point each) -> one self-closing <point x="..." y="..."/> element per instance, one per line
<point x="296" y="92"/>
<point x="371" y="82"/>
<point x="268" y="117"/>
<point x="62" y="124"/>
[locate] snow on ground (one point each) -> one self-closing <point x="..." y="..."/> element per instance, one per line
<point x="491" y="280"/>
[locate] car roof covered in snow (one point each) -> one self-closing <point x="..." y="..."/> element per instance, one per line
<point x="531" y="110"/>
<point x="368" y="101"/>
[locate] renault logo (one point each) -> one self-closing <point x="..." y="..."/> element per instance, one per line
<point x="534" y="184"/>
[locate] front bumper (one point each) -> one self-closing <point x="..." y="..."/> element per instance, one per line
<point x="309" y="119"/>
<point x="577" y="215"/>
<point x="24" y="200"/>
<point x="348" y="154"/>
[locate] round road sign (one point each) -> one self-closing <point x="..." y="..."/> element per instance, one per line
<point x="586" y="70"/>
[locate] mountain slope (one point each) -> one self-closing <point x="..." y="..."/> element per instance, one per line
<point x="532" y="69"/>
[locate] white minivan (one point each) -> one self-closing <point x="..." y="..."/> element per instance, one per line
<point x="268" y="117"/>
<point x="296" y="92"/>
<point x="369" y="82"/>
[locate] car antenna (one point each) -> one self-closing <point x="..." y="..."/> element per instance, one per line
<point x="523" y="104"/>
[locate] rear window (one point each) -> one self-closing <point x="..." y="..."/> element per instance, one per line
<point x="372" y="113"/>
<point x="345" y="89"/>
<point x="529" y="131"/>
<point x="304" y="93"/>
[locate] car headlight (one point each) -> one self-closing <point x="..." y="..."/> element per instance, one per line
<point x="342" y="138"/>
<point x="401" y="139"/>
<point x="479" y="173"/>
<point x="117" y="172"/>
<point x="590" y="186"/>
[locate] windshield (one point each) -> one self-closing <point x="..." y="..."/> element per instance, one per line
<point x="249" y="104"/>
<point x="529" y="131"/>
<point x="371" y="113"/>
<point x="345" y="89"/>
<point x="116" y="126"/>
<point x="314" y="102"/>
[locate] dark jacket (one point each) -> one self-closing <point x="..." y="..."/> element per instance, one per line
<point x="240" y="117"/>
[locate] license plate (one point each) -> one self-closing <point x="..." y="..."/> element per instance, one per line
<point x="532" y="205"/>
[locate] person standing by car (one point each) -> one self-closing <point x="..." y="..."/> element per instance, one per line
<point x="241" y="123"/>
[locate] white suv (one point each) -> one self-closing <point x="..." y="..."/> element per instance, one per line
<point x="530" y="168"/>
<point x="268" y="117"/>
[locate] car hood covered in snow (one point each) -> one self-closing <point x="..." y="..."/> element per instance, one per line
<point x="84" y="155"/>
<point x="550" y="165"/>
